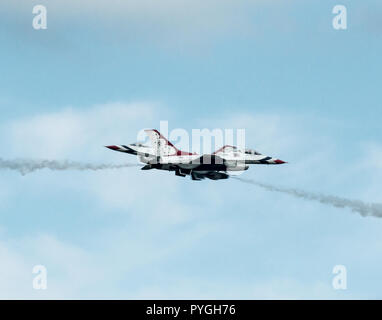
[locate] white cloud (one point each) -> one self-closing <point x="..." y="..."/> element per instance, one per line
<point x="76" y="132"/>
<point x="74" y="273"/>
<point x="276" y="288"/>
<point x="69" y="269"/>
<point x="373" y="155"/>
<point x="157" y="216"/>
<point x="81" y="134"/>
<point x="14" y="275"/>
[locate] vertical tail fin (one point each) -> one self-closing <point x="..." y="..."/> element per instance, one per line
<point x="162" y="146"/>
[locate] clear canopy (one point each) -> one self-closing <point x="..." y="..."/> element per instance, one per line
<point x="251" y="151"/>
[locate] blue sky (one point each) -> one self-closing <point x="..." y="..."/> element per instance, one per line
<point x="103" y="70"/>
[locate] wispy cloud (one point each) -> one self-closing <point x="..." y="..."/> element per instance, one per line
<point x="76" y="132"/>
<point x="151" y="217"/>
<point x="166" y="22"/>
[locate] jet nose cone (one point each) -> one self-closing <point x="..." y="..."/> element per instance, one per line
<point x="112" y="147"/>
<point x="278" y="161"/>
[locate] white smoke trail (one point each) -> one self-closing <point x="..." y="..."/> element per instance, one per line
<point x="364" y="209"/>
<point x="25" y="166"/>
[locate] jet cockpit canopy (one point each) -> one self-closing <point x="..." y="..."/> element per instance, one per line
<point x="137" y="144"/>
<point x="251" y="151"/>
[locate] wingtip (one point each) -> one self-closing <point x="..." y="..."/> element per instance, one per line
<point x="112" y="147"/>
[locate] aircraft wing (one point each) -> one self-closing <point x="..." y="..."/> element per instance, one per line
<point x="194" y="160"/>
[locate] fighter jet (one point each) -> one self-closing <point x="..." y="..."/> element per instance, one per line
<point x="163" y="155"/>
